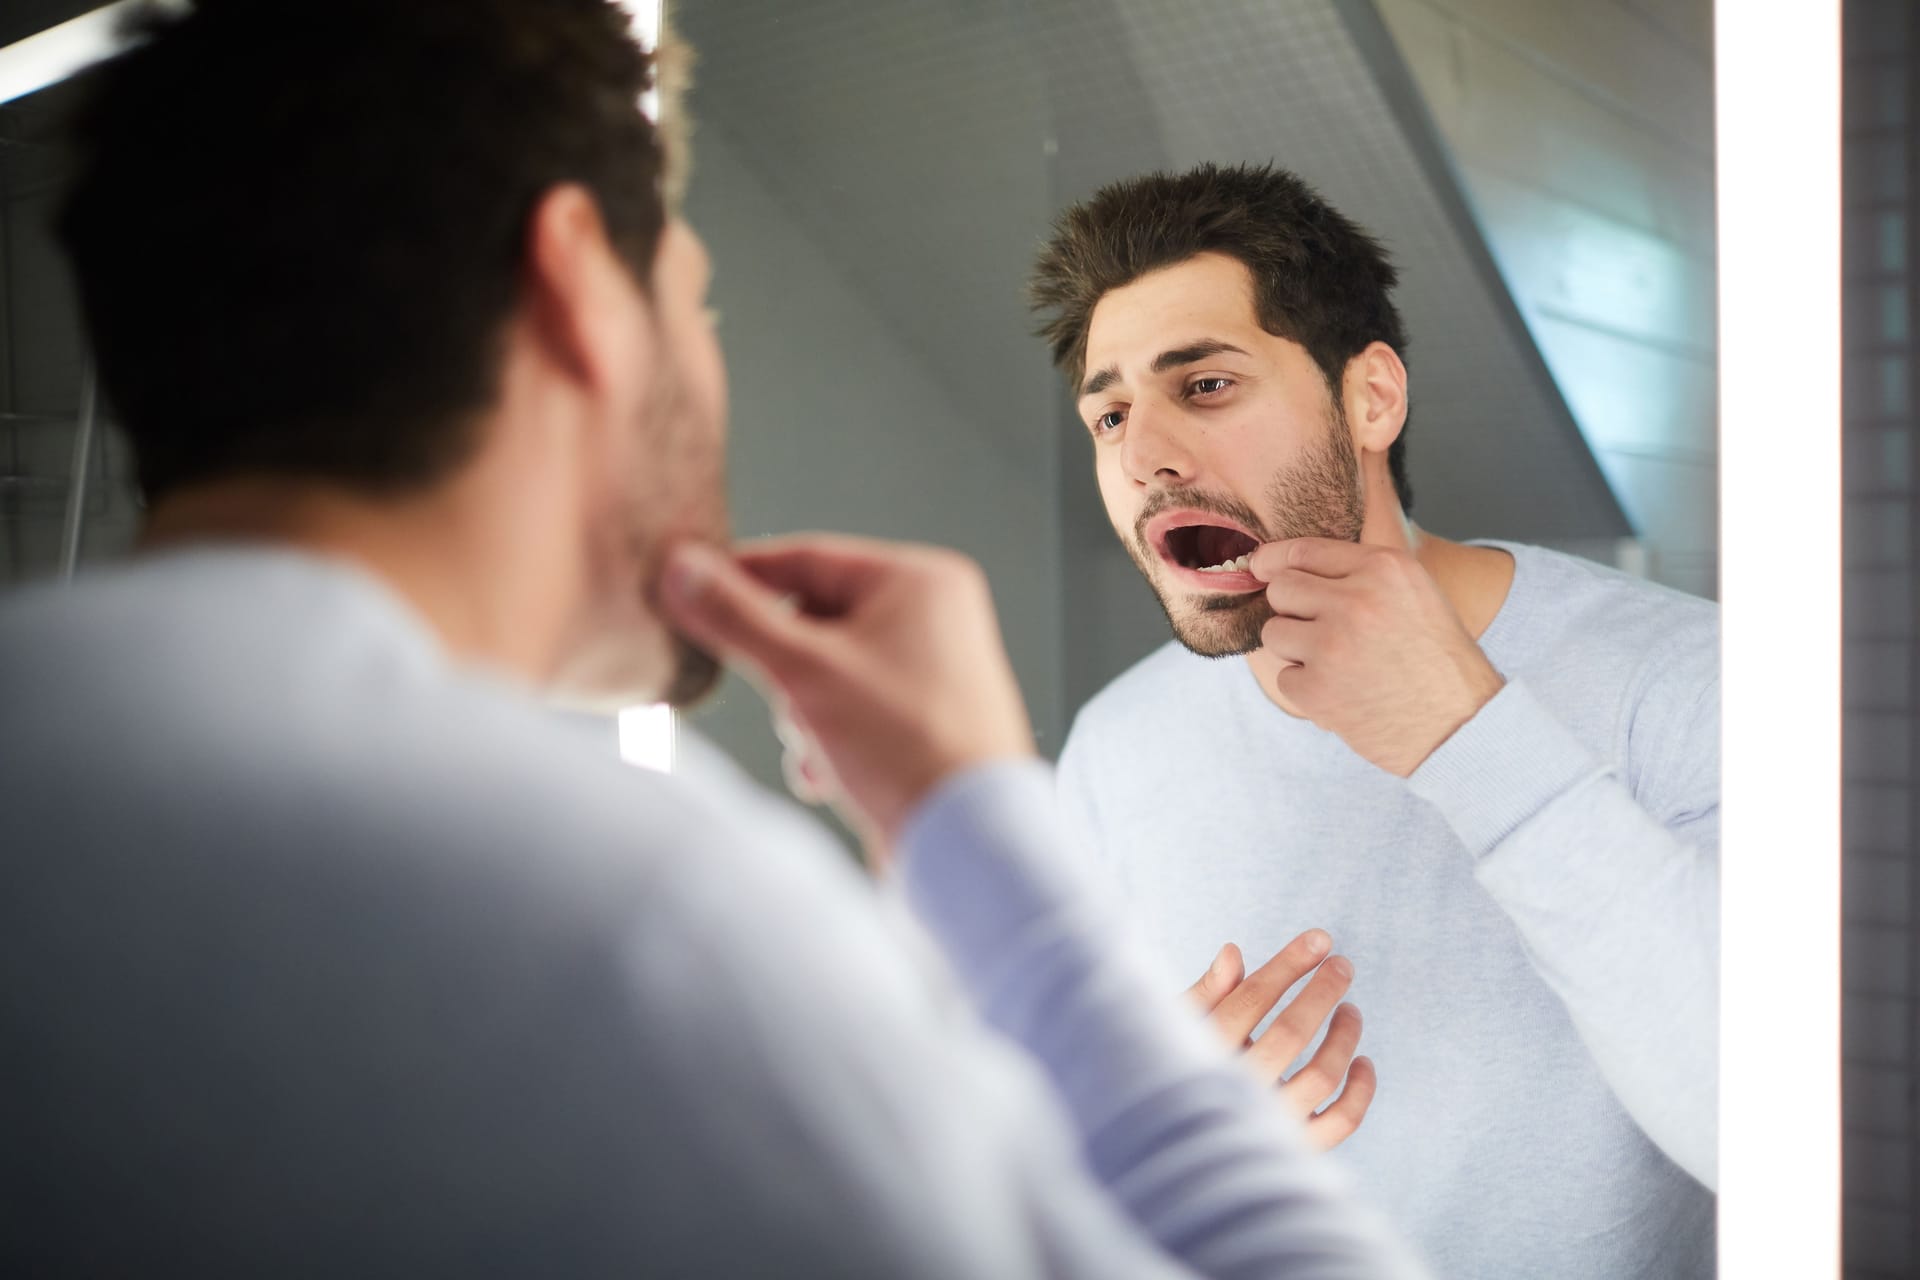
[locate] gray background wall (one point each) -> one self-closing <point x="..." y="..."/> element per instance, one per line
<point x="842" y="424"/>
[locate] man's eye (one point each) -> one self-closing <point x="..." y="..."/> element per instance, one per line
<point x="1109" y="421"/>
<point x="1208" y="386"/>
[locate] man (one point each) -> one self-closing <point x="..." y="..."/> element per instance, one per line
<point x="325" y="951"/>
<point x="1489" y="771"/>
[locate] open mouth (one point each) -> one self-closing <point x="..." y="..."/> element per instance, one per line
<point x="1202" y="544"/>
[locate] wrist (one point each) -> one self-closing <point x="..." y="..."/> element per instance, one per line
<point x="1479" y="688"/>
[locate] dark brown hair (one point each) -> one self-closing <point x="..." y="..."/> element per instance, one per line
<point x="1319" y="279"/>
<point x="298" y="226"/>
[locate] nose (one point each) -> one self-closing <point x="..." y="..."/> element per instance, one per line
<point x="1154" y="449"/>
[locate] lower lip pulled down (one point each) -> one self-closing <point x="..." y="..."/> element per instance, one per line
<point x="1237" y="581"/>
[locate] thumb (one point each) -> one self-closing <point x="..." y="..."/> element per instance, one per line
<point x="721" y="607"/>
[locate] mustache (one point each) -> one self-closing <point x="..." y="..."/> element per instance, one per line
<point x="1194" y="500"/>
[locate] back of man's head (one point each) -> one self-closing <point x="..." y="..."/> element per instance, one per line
<point x="297" y="225"/>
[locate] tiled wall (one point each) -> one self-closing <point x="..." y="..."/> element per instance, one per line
<point x="1582" y="132"/>
<point x="1879" y="1009"/>
<point x="41" y="370"/>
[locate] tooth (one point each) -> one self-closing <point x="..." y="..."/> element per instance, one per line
<point x="1241" y="563"/>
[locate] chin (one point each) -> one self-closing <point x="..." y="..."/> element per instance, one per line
<point x="1219" y="628"/>
<point x="696" y="673"/>
<point x="622" y="670"/>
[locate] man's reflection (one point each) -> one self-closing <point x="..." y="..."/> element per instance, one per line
<point x="1489" y="771"/>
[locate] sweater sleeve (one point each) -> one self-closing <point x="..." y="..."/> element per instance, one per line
<point x="1185" y="1140"/>
<point x="1616" y="900"/>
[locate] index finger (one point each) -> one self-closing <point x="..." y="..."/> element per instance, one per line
<point x="1236" y="1016"/>
<point x="828" y="572"/>
<point x="1323" y="557"/>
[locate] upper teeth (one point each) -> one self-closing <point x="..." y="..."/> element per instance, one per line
<point x="1239" y="563"/>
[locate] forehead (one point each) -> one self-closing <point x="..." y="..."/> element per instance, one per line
<point x="1210" y="294"/>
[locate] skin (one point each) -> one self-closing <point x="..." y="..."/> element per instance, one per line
<point x="1365" y="624"/>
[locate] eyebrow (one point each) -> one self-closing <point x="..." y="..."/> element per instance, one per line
<point x="1192" y="353"/>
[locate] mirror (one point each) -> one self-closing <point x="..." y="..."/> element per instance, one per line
<point x="894" y="176"/>
<point x="875" y="181"/>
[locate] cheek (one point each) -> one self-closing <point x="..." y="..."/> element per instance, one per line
<point x="1121" y="498"/>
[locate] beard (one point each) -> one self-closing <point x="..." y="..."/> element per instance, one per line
<point x="1317" y="497"/>
<point x="695" y="674"/>
<point x="623" y="651"/>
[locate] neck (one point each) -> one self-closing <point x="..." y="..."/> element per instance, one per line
<point x="470" y="579"/>
<point x="1475" y="580"/>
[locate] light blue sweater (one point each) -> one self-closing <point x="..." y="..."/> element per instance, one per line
<point x="321" y="954"/>
<point x="1533" y="917"/>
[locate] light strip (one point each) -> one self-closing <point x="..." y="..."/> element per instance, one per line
<point x="646" y="737"/>
<point x="647" y="733"/>
<point x="1777" y="112"/>
<point x="46" y="57"/>
<point x="648" y="17"/>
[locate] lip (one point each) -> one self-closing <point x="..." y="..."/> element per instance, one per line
<point x="1237" y="581"/>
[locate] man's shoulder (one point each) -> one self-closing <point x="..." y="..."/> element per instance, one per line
<point x="279" y="712"/>
<point x="1600" y="617"/>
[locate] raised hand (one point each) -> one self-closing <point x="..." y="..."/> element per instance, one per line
<point x="1235" y="1002"/>
<point x="883" y="658"/>
<point x="1371" y="648"/>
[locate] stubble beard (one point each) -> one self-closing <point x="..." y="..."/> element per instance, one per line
<point x="695" y="674"/>
<point x="624" y="660"/>
<point x="1318" y="497"/>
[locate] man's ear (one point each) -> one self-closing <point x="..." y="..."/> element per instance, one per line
<point x="581" y="302"/>
<point x="1376" y="397"/>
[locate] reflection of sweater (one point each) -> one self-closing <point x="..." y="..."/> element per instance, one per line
<point x="322" y="956"/>
<point x="1533" y="917"/>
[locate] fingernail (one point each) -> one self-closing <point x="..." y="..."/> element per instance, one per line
<point x="690" y="568"/>
<point x="1341" y="966"/>
<point x="1319" y="942"/>
<point x="1219" y="966"/>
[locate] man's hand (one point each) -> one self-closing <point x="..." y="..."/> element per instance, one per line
<point x="1374" y="651"/>
<point x="1235" y="1001"/>
<point x="883" y="657"/>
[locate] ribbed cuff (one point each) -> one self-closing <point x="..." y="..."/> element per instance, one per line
<point x="1502" y="767"/>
